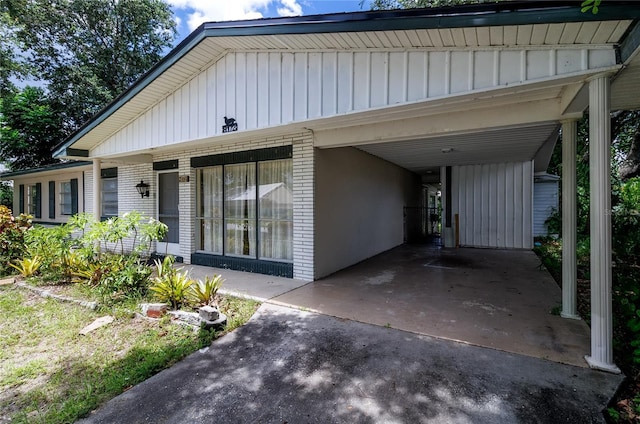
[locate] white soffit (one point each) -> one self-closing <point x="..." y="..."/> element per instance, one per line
<point x="508" y="144"/>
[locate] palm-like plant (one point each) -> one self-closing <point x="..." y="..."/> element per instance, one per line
<point x="204" y="292"/>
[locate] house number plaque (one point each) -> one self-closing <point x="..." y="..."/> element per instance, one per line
<point x="230" y="125"/>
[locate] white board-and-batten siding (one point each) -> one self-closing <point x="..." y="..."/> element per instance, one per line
<point x="268" y="89"/>
<point x="494" y="203"/>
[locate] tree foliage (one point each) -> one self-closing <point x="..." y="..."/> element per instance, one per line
<point x="29" y="129"/>
<point x="413" y="4"/>
<point x="89" y="51"/>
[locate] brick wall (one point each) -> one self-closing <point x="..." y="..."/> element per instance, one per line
<point x="303" y="184"/>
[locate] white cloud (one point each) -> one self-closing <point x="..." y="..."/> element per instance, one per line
<point x="198" y="11"/>
<point x="290" y="8"/>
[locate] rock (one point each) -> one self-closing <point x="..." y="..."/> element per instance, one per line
<point x="100" y="322"/>
<point x="209" y="313"/>
<point x="154" y="310"/>
<point x="7" y="281"/>
<point x="217" y="324"/>
<point x="188" y="317"/>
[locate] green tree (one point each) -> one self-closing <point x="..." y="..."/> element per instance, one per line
<point x="89" y="51"/>
<point x="413" y="4"/>
<point x="6" y="194"/>
<point x="29" y="129"/>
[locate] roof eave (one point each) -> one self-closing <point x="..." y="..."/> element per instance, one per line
<point x="485" y="14"/>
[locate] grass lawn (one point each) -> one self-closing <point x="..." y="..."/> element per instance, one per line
<point x="49" y="373"/>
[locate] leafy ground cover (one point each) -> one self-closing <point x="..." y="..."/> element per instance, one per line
<point x="625" y="407"/>
<point x="49" y="373"/>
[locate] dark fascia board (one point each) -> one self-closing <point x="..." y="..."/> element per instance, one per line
<point x="53" y="167"/>
<point x="631" y="42"/>
<point x="462" y="16"/>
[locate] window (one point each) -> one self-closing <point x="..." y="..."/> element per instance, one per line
<point x="33" y="200"/>
<point x="65" y="198"/>
<point x="109" y="192"/>
<point x="246" y="209"/>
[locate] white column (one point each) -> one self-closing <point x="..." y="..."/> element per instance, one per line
<point x="600" y="216"/>
<point x="569" y="219"/>
<point x="96" y="190"/>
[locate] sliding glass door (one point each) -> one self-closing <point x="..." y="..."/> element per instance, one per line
<point x="246" y="210"/>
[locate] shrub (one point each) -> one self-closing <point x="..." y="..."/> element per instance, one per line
<point x="171" y="285"/>
<point x="12" y="234"/>
<point x="27" y="266"/>
<point x="204" y="292"/>
<point x="119" y="277"/>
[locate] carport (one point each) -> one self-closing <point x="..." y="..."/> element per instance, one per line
<point x="501" y="299"/>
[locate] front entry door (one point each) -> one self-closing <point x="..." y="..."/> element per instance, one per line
<point x="168" y="213"/>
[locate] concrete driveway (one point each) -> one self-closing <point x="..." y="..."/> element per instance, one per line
<point x="291" y="366"/>
<point x="501" y="299"/>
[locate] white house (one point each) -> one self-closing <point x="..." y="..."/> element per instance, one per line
<point x="348" y="112"/>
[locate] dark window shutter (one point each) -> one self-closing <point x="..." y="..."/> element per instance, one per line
<point x="38" y="200"/>
<point x="21" y="199"/>
<point x="52" y="199"/>
<point x="74" y="196"/>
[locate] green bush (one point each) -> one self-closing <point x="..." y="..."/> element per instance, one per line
<point x="204" y="292"/>
<point x="171" y="285"/>
<point x="119" y="277"/>
<point x="626" y="271"/>
<point x="12" y="238"/>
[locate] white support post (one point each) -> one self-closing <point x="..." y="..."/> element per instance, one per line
<point x="569" y="220"/>
<point x="96" y="190"/>
<point x="600" y="216"/>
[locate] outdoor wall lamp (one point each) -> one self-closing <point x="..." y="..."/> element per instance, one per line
<point x="143" y="189"/>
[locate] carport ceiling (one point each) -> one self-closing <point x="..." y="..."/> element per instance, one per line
<point x="489" y="146"/>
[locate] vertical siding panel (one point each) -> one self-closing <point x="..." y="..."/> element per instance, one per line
<point x="509" y="67"/>
<point x="252" y="91"/>
<point x="483" y="60"/>
<point x="509" y="202"/>
<point x="528" y="208"/>
<point x="397" y="77"/>
<point x="241" y="90"/>
<point x="517" y="200"/>
<point x="361" y="80"/>
<point x="194" y="113"/>
<point x="177" y="116"/>
<point x="329" y="83"/>
<point x="155" y="126"/>
<point x="300" y="103"/>
<point x="436" y="75"/>
<point x="478" y="191"/>
<point x="314" y="96"/>
<point x="287" y="88"/>
<point x="493" y="200"/>
<point x="263" y="89"/>
<point x="379" y="79"/>
<point x="162" y="140"/>
<point x="416" y="76"/>
<point x="459" y="72"/>
<point x="148" y="128"/>
<point x="275" y="88"/>
<point x="502" y="205"/>
<point x="202" y="105"/>
<point x="487" y="207"/>
<point x="221" y="94"/>
<point x="211" y="100"/>
<point x="345" y="81"/>
<point x="186" y="115"/>
<point x="230" y="87"/>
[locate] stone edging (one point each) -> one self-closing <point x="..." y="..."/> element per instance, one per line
<point x="46" y="293"/>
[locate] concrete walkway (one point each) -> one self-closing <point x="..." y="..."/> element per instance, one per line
<point x="290" y="366"/>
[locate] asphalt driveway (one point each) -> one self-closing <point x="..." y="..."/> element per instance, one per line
<point x="291" y="366"/>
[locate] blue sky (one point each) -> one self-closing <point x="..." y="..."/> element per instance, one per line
<point x="191" y="13"/>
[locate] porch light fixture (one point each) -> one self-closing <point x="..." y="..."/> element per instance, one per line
<point x="143" y="189"/>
